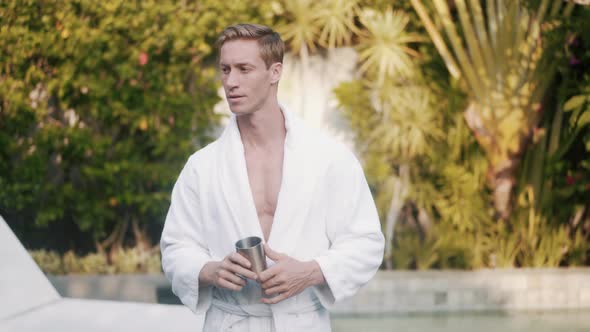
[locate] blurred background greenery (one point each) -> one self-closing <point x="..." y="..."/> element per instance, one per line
<point x="471" y="117"/>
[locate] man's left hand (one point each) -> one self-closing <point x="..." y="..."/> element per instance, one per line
<point x="288" y="277"/>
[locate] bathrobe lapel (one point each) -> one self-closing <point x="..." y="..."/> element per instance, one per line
<point x="295" y="195"/>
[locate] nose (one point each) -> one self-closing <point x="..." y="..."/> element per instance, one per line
<point x="231" y="79"/>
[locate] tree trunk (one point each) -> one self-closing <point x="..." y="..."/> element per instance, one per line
<point x="142" y="241"/>
<point x="502" y="180"/>
<point x="401" y="186"/>
<point x="503" y="164"/>
<point x="114" y="242"/>
<point x="424" y="222"/>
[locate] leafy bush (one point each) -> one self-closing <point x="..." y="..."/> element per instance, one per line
<point x="132" y="260"/>
<point x="433" y="184"/>
<point x="48" y="261"/>
<point x="101" y="103"/>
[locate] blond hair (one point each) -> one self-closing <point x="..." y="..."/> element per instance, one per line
<point x="272" y="47"/>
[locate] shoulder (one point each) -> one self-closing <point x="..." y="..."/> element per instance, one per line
<point x="201" y="160"/>
<point x="205" y="154"/>
<point x="333" y="152"/>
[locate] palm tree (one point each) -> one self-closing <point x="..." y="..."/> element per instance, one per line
<point x="410" y="125"/>
<point x="407" y="123"/>
<point x="500" y="56"/>
<point x="309" y="23"/>
<point x="384" y="45"/>
<point x="385" y="54"/>
<point x="337" y="20"/>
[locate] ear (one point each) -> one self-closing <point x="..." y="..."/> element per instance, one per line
<point x="276" y="69"/>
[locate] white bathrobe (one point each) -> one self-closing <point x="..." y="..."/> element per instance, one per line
<point x="325" y="212"/>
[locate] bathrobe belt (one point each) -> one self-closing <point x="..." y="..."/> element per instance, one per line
<point x="263" y="310"/>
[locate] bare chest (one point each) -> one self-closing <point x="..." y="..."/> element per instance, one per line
<point x="265" y="172"/>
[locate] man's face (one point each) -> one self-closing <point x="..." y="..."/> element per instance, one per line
<point x="247" y="82"/>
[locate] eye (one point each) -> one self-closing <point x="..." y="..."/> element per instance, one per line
<point x="245" y="69"/>
<point x="225" y="70"/>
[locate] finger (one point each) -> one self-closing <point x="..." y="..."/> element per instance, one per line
<point x="234" y="279"/>
<point x="269" y="273"/>
<point x="228" y="285"/>
<point x="234" y="268"/>
<point x="272" y="282"/>
<point x="240" y="260"/>
<point x="275" y="290"/>
<point x="275" y="299"/>
<point x="275" y="256"/>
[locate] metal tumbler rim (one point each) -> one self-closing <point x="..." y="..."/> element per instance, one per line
<point x="249" y="242"/>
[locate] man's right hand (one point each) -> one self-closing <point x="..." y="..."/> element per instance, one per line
<point x="223" y="274"/>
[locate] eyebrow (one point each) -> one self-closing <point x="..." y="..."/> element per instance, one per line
<point x="239" y="64"/>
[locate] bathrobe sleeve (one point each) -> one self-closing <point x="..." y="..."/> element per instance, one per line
<point x="184" y="251"/>
<point x="353" y="230"/>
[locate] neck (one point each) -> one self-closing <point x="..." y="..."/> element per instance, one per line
<point x="262" y="129"/>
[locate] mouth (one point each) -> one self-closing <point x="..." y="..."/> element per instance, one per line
<point x="235" y="98"/>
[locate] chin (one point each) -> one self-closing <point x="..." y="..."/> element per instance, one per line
<point x="237" y="110"/>
<point x="240" y="109"/>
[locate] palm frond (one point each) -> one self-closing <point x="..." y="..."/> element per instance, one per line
<point x="337" y="20"/>
<point x="303" y="27"/>
<point x="384" y="44"/>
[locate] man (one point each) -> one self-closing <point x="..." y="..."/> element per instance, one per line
<point x="268" y="175"/>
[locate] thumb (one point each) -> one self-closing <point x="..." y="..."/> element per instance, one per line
<point x="275" y="256"/>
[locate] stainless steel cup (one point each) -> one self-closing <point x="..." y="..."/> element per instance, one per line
<point x="251" y="247"/>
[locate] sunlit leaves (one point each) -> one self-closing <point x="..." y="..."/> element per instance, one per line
<point x="384" y="46"/>
<point x="303" y="26"/>
<point x="410" y="122"/>
<point x="337" y="20"/>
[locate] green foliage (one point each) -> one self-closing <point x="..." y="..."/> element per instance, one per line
<point x="579" y="108"/>
<point x="94" y="263"/>
<point x="383" y="45"/>
<point x="579" y="252"/>
<point x="101" y="103"/>
<point x="132" y="260"/>
<point x="417" y="253"/>
<point x="556" y="169"/>
<point x="302" y="28"/>
<point x="446" y="218"/>
<point x="48" y="261"/>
